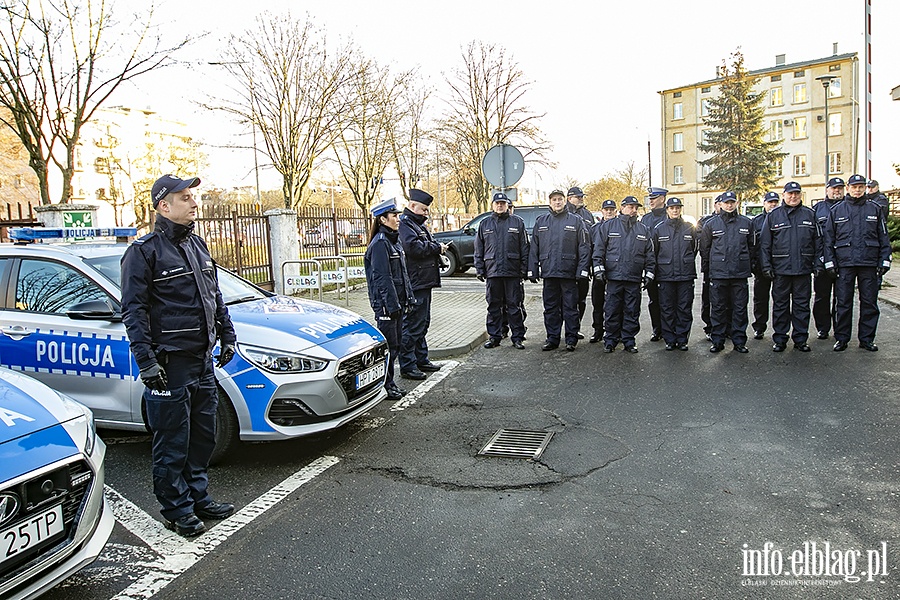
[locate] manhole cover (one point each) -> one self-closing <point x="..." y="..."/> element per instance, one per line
<point x="517" y="443"/>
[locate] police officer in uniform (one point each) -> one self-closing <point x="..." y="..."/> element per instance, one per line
<point x="575" y="205"/>
<point x="857" y="251"/>
<point x="624" y="259"/>
<point x="598" y="288"/>
<point x="704" y="268"/>
<point x="790" y="250"/>
<point x="423" y="255"/>
<point x="501" y="258"/>
<point x="873" y="193"/>
<point x="726" y="244"/>
<point x="560" y="254"/>
<point x="387" y="281"/>
<point x="762" y="285"/>
<point x="173" y="313"/>
<point x="676" y="243"/>
<point x="657" y="214"/>
<point x="823" y="283"/>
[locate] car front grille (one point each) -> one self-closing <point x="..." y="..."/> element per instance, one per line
<point x="349" y="368"/>
<point x="68" y="485"/>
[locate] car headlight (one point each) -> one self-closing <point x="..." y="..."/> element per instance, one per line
<point x="83" y="426"/>
<point x="279" y="361"/>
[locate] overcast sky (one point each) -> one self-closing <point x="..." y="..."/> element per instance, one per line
<point x="596" y="67"/>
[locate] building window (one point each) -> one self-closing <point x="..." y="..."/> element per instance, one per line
<point x="800" y="93"/>
<point x="834" y="88"/>
<point x="678" y="175"/>
<point x="800" y="73"/>
<point x="678" y="142"/>
<point x="705" y="90"/>
<point x="834" y="67"/>
<point x="779" y="168"/>
<point x="707" y="205"/>
<point x="834" y="124"/>
<point x="676" y="95"/>
<point x="705" y="170"/>
<point x="777" y="131"/>
<point x="775" y="78"/>
<point x="704" y="108"/>
<point x="834" y="163"/>
<point x="776" y="97"/>
<point x="800" y="128"/>
<point x="799" y="165"/>
<point x="678" y="110"/>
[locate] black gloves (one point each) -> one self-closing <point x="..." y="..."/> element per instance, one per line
<point x="225" y="355"/>
<point x="154" y="377"/>
<point x="601" y="277"/>
<point x="882" y="271"/>
<point x="480" y="277"/>
<point x="768" y="274"/>
<point x="645" y="281"/>
<point x="533" y="279"/>
<point x="832" y="272"/>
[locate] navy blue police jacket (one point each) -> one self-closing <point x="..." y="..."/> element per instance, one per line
<point x="170" y="295"/>
<point x="676" y="243"/>
<point x="559" y="247"/>
<point x="856" y="235"/>
<point x="726" y="245"/>
<point x="582" y="212"/>
<point x="623" y="249"/>
<point x="423" y="253"/>
<point x="758" y="222"/>
<point x="654" y="217"/>
<point x="791" y="241"/>
<point x="881" y="200"/>
<point x="823" y="209"/>
<point x="704" y="266"/>
<point x="501" y="246"/>
<point x="387" y="280"/>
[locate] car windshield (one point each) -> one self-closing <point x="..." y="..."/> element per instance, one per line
<point x="234" y="289"/>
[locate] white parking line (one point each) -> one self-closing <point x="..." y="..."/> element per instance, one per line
<point x="178" y="554"/>
<point x="422" y="388"/>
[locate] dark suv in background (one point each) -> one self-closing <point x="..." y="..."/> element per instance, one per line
<point x="461" y="255"/>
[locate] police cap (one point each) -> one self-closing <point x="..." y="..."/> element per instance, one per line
<point x="501" y="197"/>
<point x="653" y="192"/>
<point x="168" y="184"/>
<point x="575" y="191"/>
<point x="608" y="204"/>
<point x="420" y="196"/>
<point x="728" y="197"/>
<point x="835" y="182"/>
<point x="772" y="197"/>
<point x="629" y="200"/>
<point x="854" y="179"/>
<point x="673" y="202"/>
<point x="791" y="186"/>
<point x="382" y="208"/>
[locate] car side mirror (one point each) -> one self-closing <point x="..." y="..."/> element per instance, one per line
<point x="469" y="230"/>
<point x="93" y="310"/>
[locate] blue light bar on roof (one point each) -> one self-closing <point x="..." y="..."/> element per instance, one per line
<point x="30" y="234"/>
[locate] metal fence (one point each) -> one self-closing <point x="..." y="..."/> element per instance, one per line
<point x="238" y="239"/>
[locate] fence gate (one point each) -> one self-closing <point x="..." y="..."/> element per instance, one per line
<point x="238" y="239"/>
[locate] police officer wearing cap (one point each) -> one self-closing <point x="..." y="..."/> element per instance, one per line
<point x="423" y="263"/>
<point x="501" y="258"/>
<point x="656" y="198"/>
<point x="387" y="281"/>
<point x="624" y="259"/>
<point x="790" y="250"/>
<point x="823" y="283"/>
<point x="857" y="251"/>
<point x="762" y="285"/>
<point x="726" y="245"/>
<point x="608" y="210"/>
<point x="676" y="243"/>
<point x="575" y="205"/>
<point x="173" y="314"/>
<point x="560" y="254"/>
<point x="873" y="193"/>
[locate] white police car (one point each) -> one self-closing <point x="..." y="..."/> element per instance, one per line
<point x="301" y="366"/>
<point x="53" y="517"/>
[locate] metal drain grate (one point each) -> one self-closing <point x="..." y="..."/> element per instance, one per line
<point x="517" y="443"/>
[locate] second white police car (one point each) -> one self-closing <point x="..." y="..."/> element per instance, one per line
<point x="301" y="367"/>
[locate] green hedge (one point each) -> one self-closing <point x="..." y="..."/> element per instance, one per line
<point x="893" y="225"/>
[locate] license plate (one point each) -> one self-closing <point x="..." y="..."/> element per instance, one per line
<point x="370" y="376"/>
<point x="31" y="532"/>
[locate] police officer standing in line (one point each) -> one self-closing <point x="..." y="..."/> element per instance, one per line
<point x="575" y="205"/>
<point x="598" y="287"/>
<point x="387" y="282"/>
<point x="423" y="263"/>
<point x="657" y="214"/>
<point x="624" y="259"/>
<point x="676" y="243"/>
<point x="173" y="313"/>
<point x="727" y="245"/>
<point x="704" y="268"/>
<point x="501" y="257"/>
<point x="560" y="254"/>
<point x="824" y="283"/>
<point x="762" y="285"/>
<point x="790" y="251"/>
<point x="857" y="251"/>
<point x="873" y="193"/>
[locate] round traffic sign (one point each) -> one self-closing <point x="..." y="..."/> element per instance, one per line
<point x="503" y="165"/>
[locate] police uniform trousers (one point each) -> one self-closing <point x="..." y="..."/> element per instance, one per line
<point x="504" y="297"/>
<point x="653" y="306"/>
<point x="729" y="296"/>
<point x="584" y="285"/>
<point x="704" y="305"/>
<point x="598" y="298"/>
<point x="824" y="302"/>
<point x="413" y="348"/>
<point x="676" y="300"/>
<point x="762" y="291"/>
<point x="866" y="280"/>
<point x="392" y="330"/>
<point x="183" y="422"/>
<point x="623" y="312"/>
<point x="504" y="327"/>
<point x="790" y="308"/>
<point x="560" y="298"/>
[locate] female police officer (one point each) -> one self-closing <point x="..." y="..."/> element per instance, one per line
<point x="390" y="292"/>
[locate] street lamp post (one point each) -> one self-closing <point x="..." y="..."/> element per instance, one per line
<point x="826" y="83"/>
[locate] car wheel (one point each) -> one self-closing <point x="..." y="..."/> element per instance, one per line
<point x="227" y="429"/>
<point x="449" y="264"/>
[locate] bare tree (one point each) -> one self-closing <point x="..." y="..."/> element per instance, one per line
<point x="409" y="132"/>
<point x="627" y="181"/>
<point x="59" y="61"/>
<point x="486" y="107"/>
